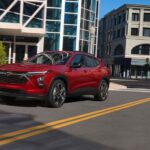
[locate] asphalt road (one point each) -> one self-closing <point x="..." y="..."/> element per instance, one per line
<point x="110" y="126"/>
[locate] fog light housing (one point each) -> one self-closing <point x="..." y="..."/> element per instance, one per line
<point x="40" y="82"/>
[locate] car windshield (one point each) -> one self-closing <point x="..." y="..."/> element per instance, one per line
<point x="50" y="58"/>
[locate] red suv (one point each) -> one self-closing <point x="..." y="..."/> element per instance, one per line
<point x="54" y="76"/>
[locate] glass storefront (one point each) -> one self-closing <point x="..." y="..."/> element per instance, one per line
<point x="52" y="41"/>
<point x="69" y="43"/>
<point x="67" y="25"/>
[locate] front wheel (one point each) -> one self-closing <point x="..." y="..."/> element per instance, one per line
<point x="57" y="94"/>
<point x="102" y="93"/>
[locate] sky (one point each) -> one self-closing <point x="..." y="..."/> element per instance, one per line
<point x="108" y="5"/>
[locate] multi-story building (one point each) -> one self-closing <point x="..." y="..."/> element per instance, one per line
<point x="28" y="27"/>
<point x="125" y="40"/>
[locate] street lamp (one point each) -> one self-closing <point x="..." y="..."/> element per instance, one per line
<point x="92" y="37"/>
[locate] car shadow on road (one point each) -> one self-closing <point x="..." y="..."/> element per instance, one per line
<point x="79" y="99"/>
<point x="41" y="103"/>
<point x="23" y="103"/>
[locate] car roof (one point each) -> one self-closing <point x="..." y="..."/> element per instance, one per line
<point x="71" y="52"/>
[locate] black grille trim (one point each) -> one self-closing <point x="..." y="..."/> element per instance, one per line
<point x="12" y="78"/>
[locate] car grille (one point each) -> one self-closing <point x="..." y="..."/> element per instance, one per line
<point x="12" y="78"/>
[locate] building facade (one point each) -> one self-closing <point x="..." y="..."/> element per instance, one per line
<point x="28" y="27"/>
<point x="125" y="40"/>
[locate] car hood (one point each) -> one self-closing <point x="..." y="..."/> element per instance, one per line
<point x="23" y="68"/>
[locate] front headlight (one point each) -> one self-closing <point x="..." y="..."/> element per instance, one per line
<point x="37" y="73"/>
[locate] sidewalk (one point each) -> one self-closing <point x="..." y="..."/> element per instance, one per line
<point x="114" y="86"/>
<point x="130" y="83"/>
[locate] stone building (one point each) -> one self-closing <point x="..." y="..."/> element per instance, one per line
<point x="124" y="40"/>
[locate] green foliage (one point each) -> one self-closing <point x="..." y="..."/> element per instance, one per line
<point x="2" y="54"/>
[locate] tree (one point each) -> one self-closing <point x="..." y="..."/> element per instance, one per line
<point x="2" y="54"/>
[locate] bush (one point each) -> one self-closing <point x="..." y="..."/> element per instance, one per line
<point x="2" y="54"/>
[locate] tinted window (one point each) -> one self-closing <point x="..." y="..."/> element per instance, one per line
<point x="61" y="59"/>
<point x="147" y="17"/>
<point x="135" y="17"/>
<point x="78" y="59"/>
<point x="50" y="58"/>
<point x="41" y="59"/>
<point x="135" y="31"/>
<point x="90" y="62"/>
<point x="146" y="32"/>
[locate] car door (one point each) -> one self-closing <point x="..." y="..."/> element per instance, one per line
<point x="94" y="71"/>
<point x="77" y="76"/>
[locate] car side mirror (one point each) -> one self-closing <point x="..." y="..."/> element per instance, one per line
<point x="76" y="65"/>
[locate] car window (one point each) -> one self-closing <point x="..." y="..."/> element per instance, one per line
<point x="90" y="62"/>
<point x="50" y="58"/>
<point x="57" y="57"/>
<point x="41" y="59"/>
<point x="61" y="59"/>
<point x="78" y="59"/>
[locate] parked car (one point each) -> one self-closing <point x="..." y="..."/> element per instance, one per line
<point x="53" y="76"/>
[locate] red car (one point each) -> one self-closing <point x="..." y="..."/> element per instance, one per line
<point x="54" y="76"/>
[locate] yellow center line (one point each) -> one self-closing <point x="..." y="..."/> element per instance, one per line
<point x="33" y="131"/>
<point x="61" y="121"/>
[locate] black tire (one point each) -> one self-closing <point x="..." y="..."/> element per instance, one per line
<point x="102" y="93"/>
<point x="8" y="100"/>
<point x="57" y="94"/>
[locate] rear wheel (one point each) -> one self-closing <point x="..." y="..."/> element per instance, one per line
<point x="57" y="94"/>
<point x="102" y="93"/>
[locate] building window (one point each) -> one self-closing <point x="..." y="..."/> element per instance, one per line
<point x="70" y="30"/>
<point x="119" y="19"/>
<point x="85" y="46"/>
<point x="124" y="17"/>
<point x="115" y="21"/>
<point x="69" y="43"/>
<point x="147" y="17"/>
<point x="52" y="41"/>
<point x="118" y="33"/>
<point x="54" y="3"/>
<point x="70" y="18"/>
<point x="135" y="17"/>
<point x="119" y="50"/>
<point x="71" y="7"/>
<point x="114" y="34"/>
<point x="54" y="14"/>
<point x="146" y="32"/>
<point x="141" y="50"/>
<point x="135" y="31"/>
<point x="123" y="32"/>
<point x="53" y="26"/>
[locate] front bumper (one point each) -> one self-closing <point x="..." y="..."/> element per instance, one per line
<point x="19" y="94"/>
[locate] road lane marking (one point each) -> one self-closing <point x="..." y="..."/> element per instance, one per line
<point x="61" y="121"/>
<point x="33" y="131"/>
